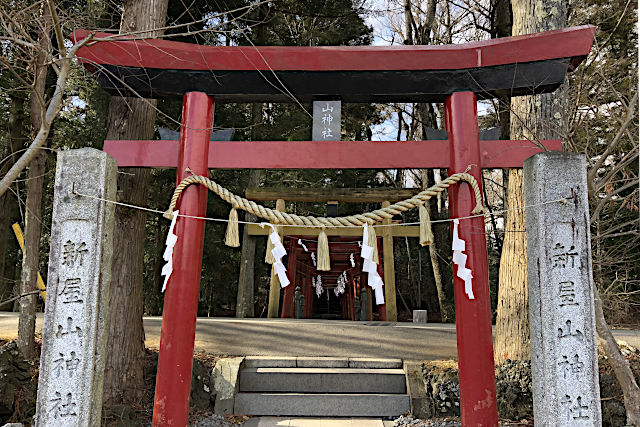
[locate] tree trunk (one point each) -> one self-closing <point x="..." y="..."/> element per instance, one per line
<point x="512" y="339"/>
<point x="408" y="23"/>
<point x="246" y="281"/>
<point x="502" y="28"/>
<point x="534" y="118"/>
<point x="435" y="264"/>
<point x="628" y="384"/>
<point x="8" y="205"/>
<point x="31" y="253"/>
<point x="245" y="299"/>
<point x="130" y="118"/>
<point x="31" y="256"/>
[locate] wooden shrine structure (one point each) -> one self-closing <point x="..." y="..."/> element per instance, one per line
<point x="299" y="258"/>
<point x="457" y="75"/>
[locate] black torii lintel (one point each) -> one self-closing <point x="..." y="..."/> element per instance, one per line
<point x="521" y="65"/>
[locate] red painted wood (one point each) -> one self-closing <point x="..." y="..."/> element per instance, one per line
<point x="473" y="317"/>
<point x="309" y="293"/>
<point x="352" y="285"/>
<point x="323" y="155"/>
<point x="288" y="299"/>
<point x="382" y="308"/>
<point x="173" y="382"/>
<point x="116" y="50"/>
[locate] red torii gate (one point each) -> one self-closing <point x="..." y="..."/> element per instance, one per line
<point x="455" y="74"/>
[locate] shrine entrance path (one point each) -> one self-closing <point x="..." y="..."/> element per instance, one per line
<point x="288" y="337"/>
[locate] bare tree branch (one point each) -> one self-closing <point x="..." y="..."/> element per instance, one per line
<point x="20" y="296"/>
<point x="52" y="111"/>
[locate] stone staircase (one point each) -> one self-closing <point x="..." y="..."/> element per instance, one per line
<point x="322" y="386"/>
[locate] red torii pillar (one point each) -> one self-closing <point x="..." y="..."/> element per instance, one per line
<point x="473" y="317"/>
<point x="177" y="337"/>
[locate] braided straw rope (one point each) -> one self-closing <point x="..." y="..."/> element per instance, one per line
<point x="277" y="217"/>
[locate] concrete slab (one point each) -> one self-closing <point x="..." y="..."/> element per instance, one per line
<point x="320" y="404"/>
<point x="305" y="422"/>
<point x="267" y="422"/>
<point x="322" y="362"/>
<point x="335" y="422"/>
<point x="420" y="403"/>
<point x="251" y="422"/>
<point x="366" y="422"/>
<point x="225" y="382"/>
<point x="323" y="380"/>
<point x="270" y="362"/>
<point x="315" y="422"/>
<point x="373" y="363"/>
<point x="293" y="337"/>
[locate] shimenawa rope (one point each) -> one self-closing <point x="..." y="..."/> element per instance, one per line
<point x="278" y="217"/>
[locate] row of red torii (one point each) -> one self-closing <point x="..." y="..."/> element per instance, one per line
<point x="457" y="75"/>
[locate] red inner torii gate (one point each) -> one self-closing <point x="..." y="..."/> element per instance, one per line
<point x="301" y="270"/>
<point x="455" y="74"/>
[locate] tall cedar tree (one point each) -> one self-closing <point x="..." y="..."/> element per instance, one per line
<point x="535" y="118"/>
<point x="130" y="118"/>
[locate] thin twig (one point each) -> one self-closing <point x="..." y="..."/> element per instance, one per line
<point x="21" y="296"/>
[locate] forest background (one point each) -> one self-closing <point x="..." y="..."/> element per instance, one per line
<point x="600" y="112"/>
<point x="50" y="101"/>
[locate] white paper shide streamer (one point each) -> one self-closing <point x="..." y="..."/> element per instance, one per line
<point x="167" y="269"/>
<point x="318" y="285"/>
<point x="278" y="252"/>
<point x="374" y="280"/>
<point x="341" y="284"/>
<point x="460" y="259"/>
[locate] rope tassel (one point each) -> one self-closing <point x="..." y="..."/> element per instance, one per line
<point x="232" y="237"/>
<point x="373" y="242"/>
<point x="268" y="257"/>
<point x="324" y="262"/>
<point x="426" y="234"/>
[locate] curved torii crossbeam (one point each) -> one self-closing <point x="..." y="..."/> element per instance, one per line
<point x="457" y="75"/>
<point x="521" y="65"/>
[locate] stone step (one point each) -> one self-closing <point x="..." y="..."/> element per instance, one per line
<point x="320" y="362"/>
<point x="323" y="380"/>
<point x="319" y="404"/>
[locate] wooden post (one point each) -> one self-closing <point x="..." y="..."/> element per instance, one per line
<point x="389" y="270"/>
<point x="173" y="382"/>
<point x="369" y="303"/>
<point x="274" y="287"/>
<point x="473" y="316"/>
<point x="363" y="304"/>
<point x="350" y="303"/>
<point x="298" y="300"/>
<point x="308" y="298"/>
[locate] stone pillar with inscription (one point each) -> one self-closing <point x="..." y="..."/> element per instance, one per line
<point x="76" y="310"/>
<point x="564" y="355"/>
